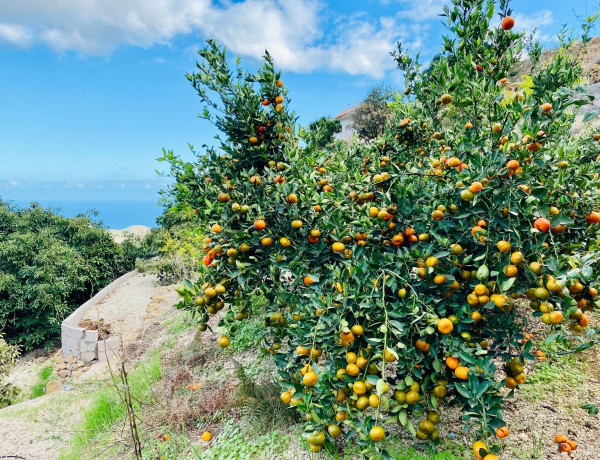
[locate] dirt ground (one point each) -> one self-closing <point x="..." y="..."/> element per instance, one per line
<point x="40" y="428"/>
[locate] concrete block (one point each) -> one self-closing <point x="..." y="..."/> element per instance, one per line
<point x="109" y="348"/>
<point x="87" y="346"/>
<point x="76" y="333"/>
<point x="91" y="336"/>
<point x="88" y="356"/>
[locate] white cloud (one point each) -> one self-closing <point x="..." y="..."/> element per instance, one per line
<point x="528" y="22"/>
<point x="293" y="31"/>
<point x="420" y="10"/>
<point x="15" y="34"/>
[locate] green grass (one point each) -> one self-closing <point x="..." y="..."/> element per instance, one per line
<point x="555" y="376"/>
<point x="44" y="376"/>
<point x="179" y="324"/>
<point x="106" y="409"/>
<point x="235" y="443"/>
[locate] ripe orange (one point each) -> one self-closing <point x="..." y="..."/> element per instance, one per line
<point x="542" y="224"/>
<point x="556" y="317"/>
<point x="260" y="224"/>
<point x="546" y="107"/>
<point x="564" y="447"/>
<point x="507" y="23"/>
<point x="338" y="247"/>
<point x="445" y="326"/>
<point x="292" y="198"/>
<point x="503" y="246"/>
<point x="454" y="162"/>
<point x="502" y="432"/>
<point x="347" y="338"/>
<point x="593" y="217"/>
<point x="206" y="436"/>
<point x="480" y="449"/>
<point x="421" y="345"/>
<point x="512" y="164"/>
<point x="462" y="372"/>
<point x="310" y="379"/>
<point x="377" y="434"/>
<point x="308" y="280"/>
<point x="452" y="362"/>
<point x="286" y="397"/>
<point x="223" y="341"/>
<point x="476" y="187"/>
<point x="560" y="438"/>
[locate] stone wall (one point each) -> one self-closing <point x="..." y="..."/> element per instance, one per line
<point x="84" y="344"/>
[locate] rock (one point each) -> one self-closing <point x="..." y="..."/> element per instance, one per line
<point x="156" y="323"/>
<point x="86" y="368"/>
<point x="70" y="359"/>
<point x="60" y="367"/>
<point x="70" y="367"/>
<point x="53" y="386"/>
<point x="64" y="373"/>
<point x="80" y="364"/>
<point x="522" y="437"/>
<point x="59" y="359"/>
<point x="564" y="456"/>
<point x="78" y="373"/>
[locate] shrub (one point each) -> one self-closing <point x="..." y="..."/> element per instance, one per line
<point x="49" y="265"/>
<point x="8" y="357"/>
<point x="391" y="267"/>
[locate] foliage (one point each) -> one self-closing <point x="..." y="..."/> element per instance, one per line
<point x="8" y="357"/>
<point x="320" y="133"/>
<point x="260" y="403"/>
<point x="371" y="115"/>
<point x="173" y="253"/>
<point x="391" y="267"/>
<point x="49" y="265"/>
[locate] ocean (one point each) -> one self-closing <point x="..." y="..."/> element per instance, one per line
<point x="116" y="214"/>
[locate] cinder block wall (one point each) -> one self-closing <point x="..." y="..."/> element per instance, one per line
<point x="84" y="344"/>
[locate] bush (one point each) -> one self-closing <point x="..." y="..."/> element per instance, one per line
<point x="8" y="357"/>
<point x="174" y="254"/>
<point x="391" y="267"/>
<point x="49" y="265"/>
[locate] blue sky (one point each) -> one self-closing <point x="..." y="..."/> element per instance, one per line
<point x="92" y="90"/>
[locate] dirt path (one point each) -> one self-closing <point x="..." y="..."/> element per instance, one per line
<point x="40" y="428"/>
<point x="125" y="308"/>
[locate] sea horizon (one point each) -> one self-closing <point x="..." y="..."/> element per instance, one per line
<point x="114" y="214"/>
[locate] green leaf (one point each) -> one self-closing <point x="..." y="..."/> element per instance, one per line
<point x="590" y="115"/>
<point x="403" y="418"/>
<point x="380" y="387"/>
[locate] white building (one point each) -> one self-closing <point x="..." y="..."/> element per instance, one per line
<point x="346" y="118"/>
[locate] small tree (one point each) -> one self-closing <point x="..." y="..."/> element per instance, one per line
<point x="320" y="133"/>
<point x="372" y="114"/>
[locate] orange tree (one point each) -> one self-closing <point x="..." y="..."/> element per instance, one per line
<point x="391" y="267"/>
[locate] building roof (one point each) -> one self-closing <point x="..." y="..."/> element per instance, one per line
<point x="346" y="112"/>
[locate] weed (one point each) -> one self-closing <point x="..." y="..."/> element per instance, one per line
<point x="106" y="407"/>
<point x="260" y="403"/>
<point x="44" y="376"/>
